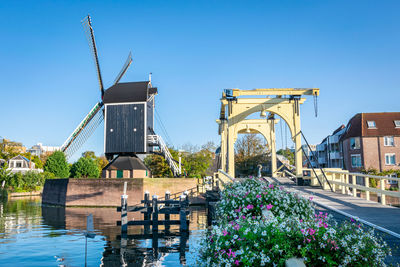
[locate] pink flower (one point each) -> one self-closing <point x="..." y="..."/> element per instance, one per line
<point x="258" y="196"/>
<point x="311" y="198"/>
<point x="225" y="232"/>
<point x="269" y="206"/>
<point x="237" y="262"/>
<point x="271" y="186"/>
<point x="261" y="205"/>
<point x="250" y="207"/>
<point x="243" y="217"/>
<point x="236" y="227"/>
<point x="311" y="231"/>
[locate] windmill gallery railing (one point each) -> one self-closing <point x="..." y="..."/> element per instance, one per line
<point x="357" y="184"/>
<point x="158" y="141"/>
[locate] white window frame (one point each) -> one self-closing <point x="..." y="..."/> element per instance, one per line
<point x="359" y="143"/>
<point x="387" y="155"/>
<point x="371" y="124"/>
<point x="396" y="123"/>
<point x="353" y="156"/>
<point x="386" y="140"/>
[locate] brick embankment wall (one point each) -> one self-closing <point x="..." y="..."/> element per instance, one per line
<point x="107" y="192"/>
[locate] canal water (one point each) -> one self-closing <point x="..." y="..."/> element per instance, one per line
<point x="36" y="235"/>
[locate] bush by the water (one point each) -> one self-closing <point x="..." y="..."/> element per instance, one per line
<point x="27" y="182"/>
<point x="262" y="225"/>
<point x="85" y="168"/>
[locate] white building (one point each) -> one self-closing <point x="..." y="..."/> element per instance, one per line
<point x="329" y="152"/>
<point x="21" y="164"/>
<point x="39" y="149"/>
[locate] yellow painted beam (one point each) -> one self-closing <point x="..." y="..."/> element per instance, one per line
<point x="275" y="91"/>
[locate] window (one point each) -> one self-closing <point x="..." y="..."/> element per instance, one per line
<point x="391" y="181"/>
<point x="371" y="124"/>
<point x="389" y="140"/>
<point x="18" y="165"/>
<point x="397" y="124"/>
<point x="390" y="159"/>
<point x="356" y="160"/>
<point x="355" y="143"/>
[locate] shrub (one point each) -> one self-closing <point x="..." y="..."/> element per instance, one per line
<point x="57" y="164"/>
<point x="85" y="168"/>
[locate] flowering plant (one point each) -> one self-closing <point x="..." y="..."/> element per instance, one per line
<point x="246" y="235"/>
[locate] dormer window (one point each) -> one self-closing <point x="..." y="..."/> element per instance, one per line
<point x="371" y="124"/>
<point x="397" y="124"/>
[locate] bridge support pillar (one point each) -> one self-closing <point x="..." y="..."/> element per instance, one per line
<point x="298" y="153"/>
<point x="231" y="151"/>
<point x="272" y="145"/>
<point x="224" y="137"/>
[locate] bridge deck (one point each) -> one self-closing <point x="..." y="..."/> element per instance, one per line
<point x="373" y="212"/>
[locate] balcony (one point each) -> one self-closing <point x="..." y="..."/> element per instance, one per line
<point x="321" y="160"/>
<point x="333" y="139"/>
<point x="335" y="155"/>
<point x="321" y="147"/>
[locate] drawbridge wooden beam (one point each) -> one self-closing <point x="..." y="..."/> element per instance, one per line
<point x="273" y="91"/>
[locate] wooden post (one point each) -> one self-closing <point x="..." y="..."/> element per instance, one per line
<point x="366" y="180"/>
<point x="124" y="211"/>
<point x="382" y="187"/>
<point x="354" y="182"/>
<point x="167" y="216"/>
<point x="146" y="215"/>
<point x="343" y="180"/>
<point x="182" y="213"/>
<point x="155" y="214"/>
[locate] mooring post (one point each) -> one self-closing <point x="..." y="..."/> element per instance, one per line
<point x="124" y="211"/>
<point x="147" y="212"/>
<point x="155" y="214"/>
<point x="182" y="213"/>
<point x="167" y="216"/>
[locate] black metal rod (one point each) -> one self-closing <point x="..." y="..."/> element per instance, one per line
<point x="323" y="173"/>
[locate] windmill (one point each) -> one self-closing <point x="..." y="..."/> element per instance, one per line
<point x="127" y="109"/>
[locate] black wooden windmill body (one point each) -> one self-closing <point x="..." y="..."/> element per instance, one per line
<point x="128" y="113"/>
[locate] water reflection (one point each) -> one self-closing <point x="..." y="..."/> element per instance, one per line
<point x="35" y="235"/>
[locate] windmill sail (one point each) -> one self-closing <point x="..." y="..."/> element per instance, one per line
<point x="87" y="25"/>
<point x="124" y="68"/>
<point x="84" y="130"/>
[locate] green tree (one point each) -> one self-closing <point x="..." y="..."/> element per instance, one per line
<point x="5" y="175"/>
<point x="250" y="151"/>
<point x="158" y="166"/>
<point x="196" y="164"/>
<point x="100" y="161"/>
<point x="85" y="167"/>
<point x="287" y="153"/>
<point x="57" y="164"/>
<point x="38" y="163"/>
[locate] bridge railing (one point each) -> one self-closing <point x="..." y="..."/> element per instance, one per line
<point x="221" y="179"/>
<point x="351" y="183"/>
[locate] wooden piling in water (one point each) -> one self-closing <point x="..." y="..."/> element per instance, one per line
<point x="182" y="213"/>
<point x="167" y="215"/>
<point x="155" y="214"/>
<point x="124" y="211"/>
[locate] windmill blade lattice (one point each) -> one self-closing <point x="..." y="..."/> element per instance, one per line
<point x="84" y="130"/>
<point x="87" y="26"/>
<point x="124" y="68"/>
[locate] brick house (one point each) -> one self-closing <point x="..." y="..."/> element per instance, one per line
<point x="372" y="140"/>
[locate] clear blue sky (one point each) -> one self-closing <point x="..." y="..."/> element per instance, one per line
<point x="348" y="49"/>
